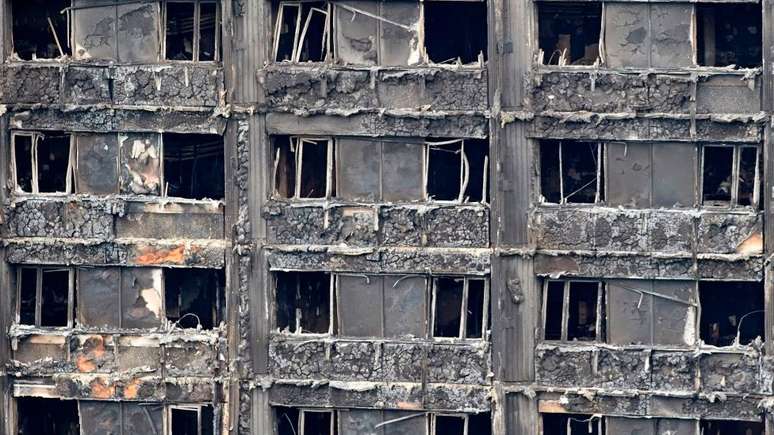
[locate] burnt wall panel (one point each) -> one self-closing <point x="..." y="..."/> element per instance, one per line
<point x="671" y="30"/>
<point x="627" y="35"/>
<point x="141" y="297"/>
<point x="629" y="169"/>
<point x="96" y="170"/>
<point x="99" y="297"/>
<point x="718" y="94"/>
<point x="172" y="221"/>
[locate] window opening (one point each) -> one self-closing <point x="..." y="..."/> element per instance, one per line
<point x="191" y="420"/>
<point x="569" y="424"/>
<point x="294" y="421"/>
<point x="571" y="172"/>
<point x="569" y="32"/>
<point x="730" y="176"/>
<point x="304" y="302"/>
<point x="574" y="311"/>
<point x="302" y="32"/>
<point x="193" y="166"/>
<point x="732" y="312"/>
<point x="192" y="30"/>
<point x="40" y="29"/>
<point x="455" y="32"/>
<point x="303" y="167"/>
<point x="729" y="34"/>
<point x="457" y="170"/>
<point x="721" y="427"/>
<point x="45" y="296"/>
<point x="42" y="162"/>
<point x="460" y="307"/>
<point x="194" y="297"/>
<point x="38" y="416"/>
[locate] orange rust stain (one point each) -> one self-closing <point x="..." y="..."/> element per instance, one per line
<point x="153" y="256"/>
<point x="409" y="405"/>
<point x="101" y="390"/>
<point x="84" y="364"/>
<point x="751" y="245"/>
<point x="93" y="349"/>
<point x="131" y="389"/>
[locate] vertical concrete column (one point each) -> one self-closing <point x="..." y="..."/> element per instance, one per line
<point x="514" y="288"/>
<point x="247" y="31"/>
<point x="768" y="155"/>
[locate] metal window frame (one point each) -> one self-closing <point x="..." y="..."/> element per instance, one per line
<point x="433" y="424"/>
<point x="735" y="171"/>
<point x="296" y="328"/>
<point x="462" y="333"/>
<point x="567" y="285"/>
<point x="601" y="180"/>
<point x="302" y="418"/>
<point x="301" y="31"/>
<point x="35" y="137"/>
<point x="39" y="270"/>
<point x="184" y="407"/>
<point x="296" y="144"/>
<point x="196" y="30"/>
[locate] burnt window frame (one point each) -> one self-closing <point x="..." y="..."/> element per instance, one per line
<point x="733" y="203"/>
<point x="601" y="178"/>
<point x="220" y="315"/>
<point x="601" y="422"/>
<point x="331" y="55"/>
<point x="298" y="163"/>
<point x="540" y="56"/>
<point x="601" y="311"/>
<point x="464" y="173"/>
<point x="297" y="331"/>
<point x="39" y="270"/>
<point x="302" y="411"/>
<point x="301" y="29"/>
<point x="63" y="44"/>
<point x="695" y="23"/>
<point x="601" y="61"/>
<point x="196" y="31"/>
<point x="462" y="335"/>
<point x="163" y="188"/>
<point x="35" y="136"/>
<point x="197" y="407"/>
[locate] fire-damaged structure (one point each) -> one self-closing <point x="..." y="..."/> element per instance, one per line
<point x="386" y="217"/>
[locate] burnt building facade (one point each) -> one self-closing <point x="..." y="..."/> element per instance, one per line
<point x="386" y="217"/>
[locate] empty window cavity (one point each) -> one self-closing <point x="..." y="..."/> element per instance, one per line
<point x="40" y="29"/>
<point x="293" y="421"/>
<point x="194" y="297"/>
<point x="569" y="32"/>
<point x="192" y="30"/>
<point x="303" y="167"/>
<point x="574" y="311"/>
<point x="460" y="307"/>
<point x="722" y="427"/>
<point x="302" y="32"/>
<point x="729" y="34"/>
<point x="304" y="302"/>
<point x="568" y="424"/>
<point x="38" y="416"/>
<point x="571" y="172"/>
<point x="193" y="166"/>
<point x="42" y="162"/>
<point x="191" y="420"/>
<point x="45" y="296"/>
<point x="455" y="32"/>
<point x="731" y="312"/>
<point x="730" y="176"/>
<point x="457" y="170"/>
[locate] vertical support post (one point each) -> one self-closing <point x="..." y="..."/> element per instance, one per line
<point x="768" y="158"/>
<point x="514" y="288"/>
